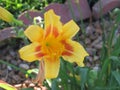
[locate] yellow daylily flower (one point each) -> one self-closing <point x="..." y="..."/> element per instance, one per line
<point x="52" y="43"/>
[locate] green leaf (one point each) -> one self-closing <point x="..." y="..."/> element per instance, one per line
<point x="105" y="67"/>
<point x="117" y="76"/>
<point x="92" y="77"/>
<point x="30" y="71"/>
<point x="6" y="86"/>
<point x="54" y="85"/>
<point x="83" y="72"/>
<point x="27" y="89"/>
<point x="116" y="49"/>
<point x="34" y="70"/>
<point x="115" y="59"/>
<point x="20" y="33"/>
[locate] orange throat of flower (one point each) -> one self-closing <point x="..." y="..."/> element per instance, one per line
<point x="52" y="46"/>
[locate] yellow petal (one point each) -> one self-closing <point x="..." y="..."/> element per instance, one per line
<point x="75" y="54"/>
<point x="70" y="29"/>
<point x="31" y="52"/>
<point x="52" y="65"/>
<point x="34" y="33"/>
<point x="53" y="24"/>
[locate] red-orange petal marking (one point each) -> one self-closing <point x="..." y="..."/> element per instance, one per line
<point x="68" y="47"/>
<point x="55" y="32"/>
<point x="53" y="29"/>
<point x="39" y="54"/>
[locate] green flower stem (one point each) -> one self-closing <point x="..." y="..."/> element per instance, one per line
<point x="18" y="22"/>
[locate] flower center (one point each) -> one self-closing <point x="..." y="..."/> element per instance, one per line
<point x="47" y="44"/>
<point x="52" y="46"/>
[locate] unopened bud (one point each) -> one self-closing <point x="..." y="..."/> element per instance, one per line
<point x="8" y="17"/>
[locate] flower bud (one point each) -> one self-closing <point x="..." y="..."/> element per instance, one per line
<point x="6" y="15"/>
